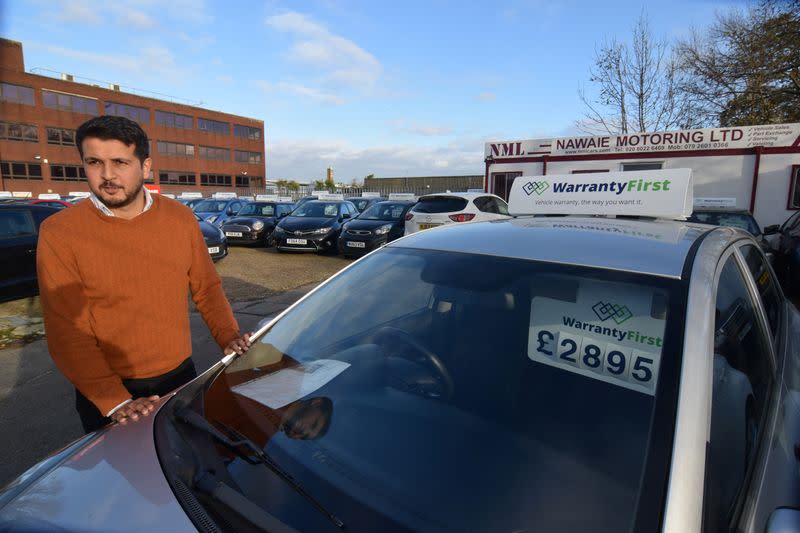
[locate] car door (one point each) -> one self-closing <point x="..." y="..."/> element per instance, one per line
<point x="745" y="389"/>
<point x="18" y="248"/>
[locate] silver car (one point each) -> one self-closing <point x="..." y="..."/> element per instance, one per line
<point x="569" y="374"/>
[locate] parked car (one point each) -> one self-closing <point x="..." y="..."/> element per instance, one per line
<point x="314" y="226"/>
<point x="254" y="223"/>
<point x="571" y="374"/>
<point x="438" y="209"/>
<point x="19" y="234"/>
<point x="215" y="239"/>
<point x="190" y="202"/>
<point x="363" y="202"/>
<point x="788" y="257"/>
<point x="303" y="200"/>
<point x="217" y="210"/>
<point x="380" y="223"/>
<point x="735" y="218"/>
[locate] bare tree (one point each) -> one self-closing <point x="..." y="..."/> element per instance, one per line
<point x="745" y="68"/>
<point x="638" y="87"/>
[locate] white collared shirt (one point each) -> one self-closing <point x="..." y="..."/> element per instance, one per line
<point x="148" y="203"/>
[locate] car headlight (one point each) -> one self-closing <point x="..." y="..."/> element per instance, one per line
<point x="212" y="218"/>
<point x="258" y="225"/>
<point x="383" y="230"/>
<point x="321" y="231"/>
<point x="221" y="233"/>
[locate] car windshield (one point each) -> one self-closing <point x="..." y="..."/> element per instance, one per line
<point x="743" y="221"/>
<point x="210" y="206"/>
<point x="440" y="204"/>
<point x="383" y="211"/>
<point x="414" y="391"/>
<point x="316" y="209"/>
<point x="360" y="203"/>
<point x="258" y="209"/>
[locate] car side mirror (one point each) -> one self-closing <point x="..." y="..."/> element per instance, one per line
<point x="783" y="519"/>
<point x="772" y="230"/>
<point x="345" y="215"/>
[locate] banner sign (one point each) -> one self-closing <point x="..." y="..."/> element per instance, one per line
<point x="267" y="198"/>
<point x="49" y="196"/>
<point x="402" y="197"/>
<point x="366" y="194"/>
<point x="330" y="197"/>
<point x="720" y="203"/>
<point x="768" y="135"/>
<point x="190" y="194"/>
<point x="650" y="193"/>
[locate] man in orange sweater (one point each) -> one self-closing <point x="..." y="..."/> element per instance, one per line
<point x="114" y="275"/>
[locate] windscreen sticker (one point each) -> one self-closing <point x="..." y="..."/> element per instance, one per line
<point x="290" y="384"/>
<point x="609" y="334"/>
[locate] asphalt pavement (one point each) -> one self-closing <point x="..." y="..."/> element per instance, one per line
<point x="37" y="414"/>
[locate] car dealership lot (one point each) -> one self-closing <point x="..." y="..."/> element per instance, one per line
<point x="36" y="402"/>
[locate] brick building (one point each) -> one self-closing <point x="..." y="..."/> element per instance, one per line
<point x="193" y="149"/>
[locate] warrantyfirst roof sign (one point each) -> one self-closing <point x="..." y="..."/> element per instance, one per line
<point x="652" y="193"/>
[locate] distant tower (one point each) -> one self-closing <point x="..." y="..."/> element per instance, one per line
<point x="329" y="175"/>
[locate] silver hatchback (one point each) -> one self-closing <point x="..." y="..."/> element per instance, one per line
<point x="570" y="374"/>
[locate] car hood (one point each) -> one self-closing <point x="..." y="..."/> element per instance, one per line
<point x="206" y="216"/>
<point x="306" y="223"/>
<point x="210" y="233"/>
<point x="369" y="224"/>
<point x="109" y="481"/>
<point x="248" y="220"/>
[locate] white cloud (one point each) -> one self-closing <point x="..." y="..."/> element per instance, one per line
<point x="151" y="60"/>
<point x="80" y="11"/>
<point x="195" y="11"/>
<point x="305" y="159"/>
<point x="128" y="16"/>
<point x="196" y="43"/>
<point x="340" y="59"/>
<point x="300" y="90"/>
<point x="224" y="78"/>
<point x="487" y="97"/>
<point x="400" y="126"/>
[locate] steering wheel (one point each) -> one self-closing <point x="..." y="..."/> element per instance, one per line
<point x="442" y="380"/>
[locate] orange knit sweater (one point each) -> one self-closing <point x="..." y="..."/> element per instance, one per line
<point x="114" y="295"/>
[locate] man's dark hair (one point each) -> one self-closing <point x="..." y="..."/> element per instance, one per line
<point x="108" y="127"/>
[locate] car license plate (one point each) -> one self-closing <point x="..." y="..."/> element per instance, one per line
<point x="428" y="226"/>
<point x="233" y="233"/>
<point x="213" y="250"/>
<point x="296" y="241"/>
<point x="356" y="244"/>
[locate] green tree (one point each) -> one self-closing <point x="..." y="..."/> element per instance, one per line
<point x="745" y="68"/>
<point x="329" y="184"/>
<point x="293" y="186"/>
<point x="319" y="185"/>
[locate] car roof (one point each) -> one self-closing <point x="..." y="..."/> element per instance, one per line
<point x="652" y="246"/>
<point x="466" y="195"/>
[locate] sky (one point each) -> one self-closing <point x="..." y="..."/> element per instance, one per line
<point x="367" y="87"/>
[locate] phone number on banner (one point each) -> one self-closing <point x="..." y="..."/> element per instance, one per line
<point x="620" y="365"/>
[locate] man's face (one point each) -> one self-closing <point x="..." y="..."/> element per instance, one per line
<point x="304" y="420"/>
<point x="114" y="172"/>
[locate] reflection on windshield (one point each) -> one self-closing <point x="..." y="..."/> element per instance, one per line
<point x="209" y="206"/>
<point x="383" y="212"/>
<point x="266" y="210"/>
<point x="500" y="393"/>
<point x="314" y="209"/>
<point x="734" y="220"/>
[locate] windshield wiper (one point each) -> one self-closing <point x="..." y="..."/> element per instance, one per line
<point x="255" y="456"/>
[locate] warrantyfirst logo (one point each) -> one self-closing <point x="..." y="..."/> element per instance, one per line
<point x="537" y="187"/>
<point x="604" y="311"/>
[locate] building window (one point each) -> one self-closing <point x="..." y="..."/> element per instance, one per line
<point x="139" y="114"/>
<point x="213" y="126"/>
<point x="628" y="167"/>
<point x="215" y="180"/>
<point x="794" y="188"/>
<point x="61" y="136"/>
<point x="247" y="157"/>
<point x="69" y="102"/>
<point x="16" y="94"/>
<point x="21" y="171"/>
<point x="67" y="173"/>
<point x="170" y="177"/>
<point x="250" y="181"/>
<point x="217" y="154"/>
<point x="13" y="131"/>
<point x="247" y="132"/>
<point x="175" y="149"/>
<point x="589" y="171"/>
<point x="174" y="120"/>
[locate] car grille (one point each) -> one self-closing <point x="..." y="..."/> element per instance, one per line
<point x="358" y="232"/>
<point x="300" y="233"/>
<point x="236" y="227"/>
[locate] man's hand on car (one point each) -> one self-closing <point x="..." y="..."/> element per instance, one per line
<point x="238" y="346"/>
<point x="134" y="409"/>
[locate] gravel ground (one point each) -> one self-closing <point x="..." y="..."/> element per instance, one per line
<point x="253" y="273"/>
